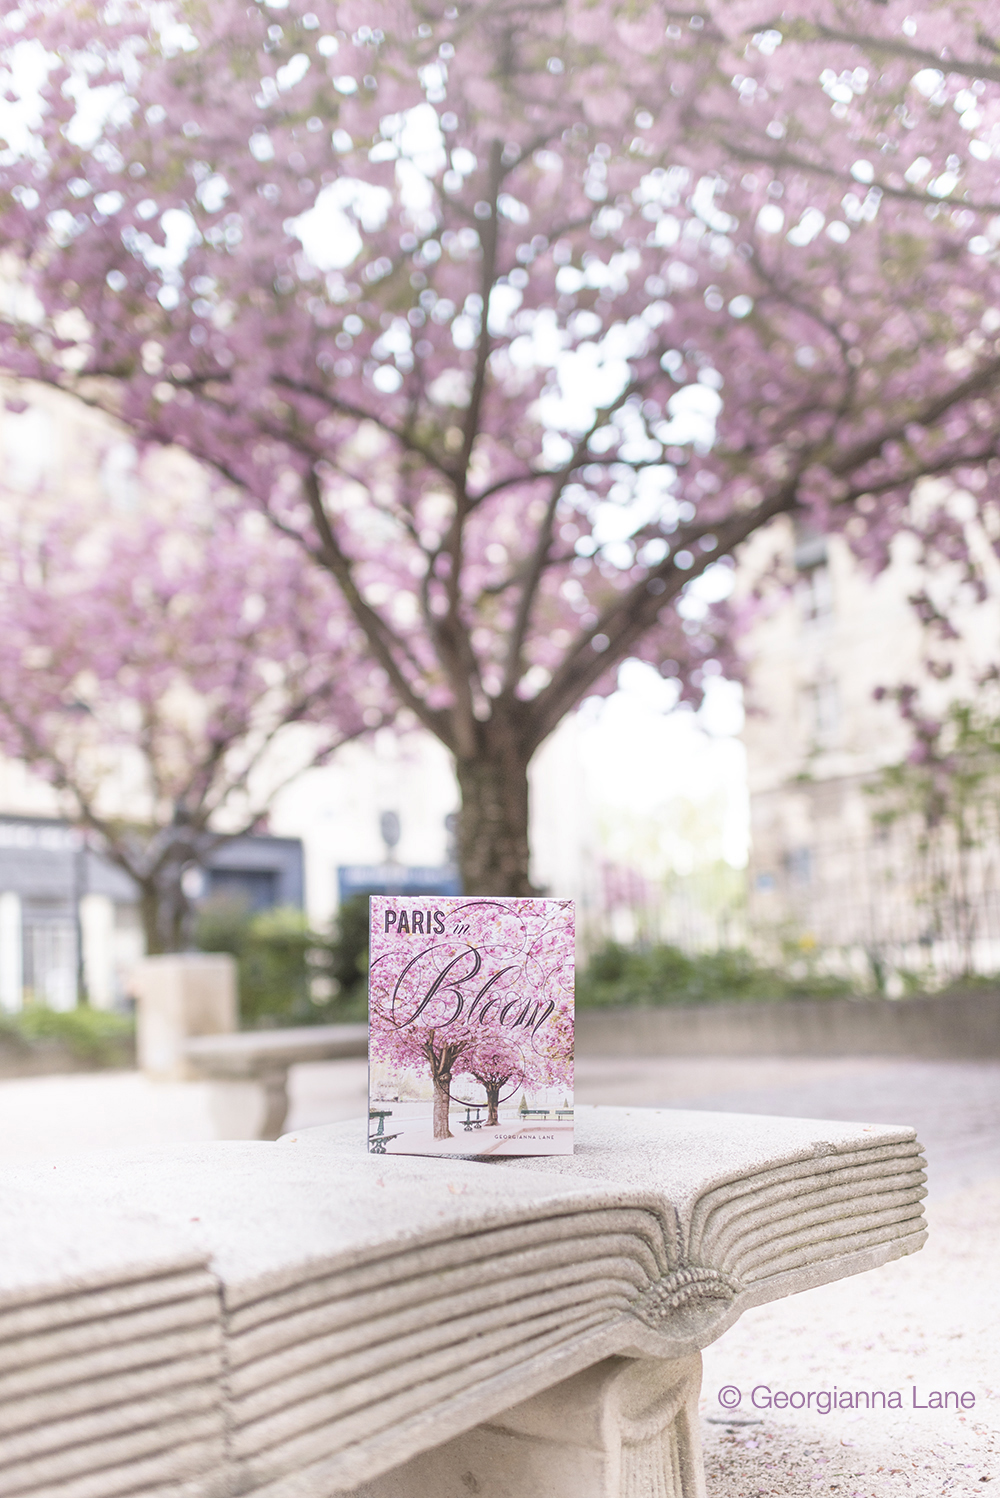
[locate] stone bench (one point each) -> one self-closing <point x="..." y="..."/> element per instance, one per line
<point x="302" y="1319"/>
<point x="187" y="1013"/>
<point x="264" y="1057"/>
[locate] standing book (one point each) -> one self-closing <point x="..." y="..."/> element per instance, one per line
<point x="470" y="1026"/>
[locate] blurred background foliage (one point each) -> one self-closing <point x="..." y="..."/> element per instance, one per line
<point x="663" y="974"/>
<point x="289" y="974"/>
<point x="92" y="1037"/>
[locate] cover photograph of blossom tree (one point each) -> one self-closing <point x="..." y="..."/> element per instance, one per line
<point x="471" y="1026"/>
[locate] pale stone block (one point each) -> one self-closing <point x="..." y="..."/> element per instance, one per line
<point x="178" y="996"/>
<point x="625" y="1428"/>
<point x="11" y="955"/>
<point x="260" y="1059"/>
<point x="239" y="1109"/>
<point x="97" y="933"/>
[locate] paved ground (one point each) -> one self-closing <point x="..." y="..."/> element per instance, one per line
<point x="927" y="1323"/>
<point x="930" y="1322"/>
<point x="954" y="1105"/>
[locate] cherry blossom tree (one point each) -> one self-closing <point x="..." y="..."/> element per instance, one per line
<point x="520" y="319"/>
<point x="500" y="1069"/>
<point x="168" y="677"/>
<point x="445" y="1047"/>
<point x="540" y="1054"/>
<point x="434" y="1042"/>
<point x="504" y="1063"/>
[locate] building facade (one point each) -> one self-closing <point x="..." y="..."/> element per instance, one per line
<point x="69" y="920"/>
<point x="832" y="877"/>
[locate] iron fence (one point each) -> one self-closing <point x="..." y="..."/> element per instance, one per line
<point x="902" y="906"/>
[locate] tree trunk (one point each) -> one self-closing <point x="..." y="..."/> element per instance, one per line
<point x="442" y="1064"/>
<point x="164" y="913"/>
<point x="442" y="1099"/>
<point x="493" y="824"/>
<point x="149" y="913"/>
<point x="493" y="1104"/>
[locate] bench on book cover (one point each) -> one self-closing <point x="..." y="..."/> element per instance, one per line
<point x="378" y="1140"/>
<point x="264" y="1057"/>
<point x="303" y="1319"/>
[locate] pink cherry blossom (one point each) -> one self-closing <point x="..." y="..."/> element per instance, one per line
<point x="167" y="679"/>
<point x="519" y="319"/>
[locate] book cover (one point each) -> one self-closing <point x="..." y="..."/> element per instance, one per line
<point x="470" y="1026"/>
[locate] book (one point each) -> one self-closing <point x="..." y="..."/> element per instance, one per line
<point x="470" y="1026"/>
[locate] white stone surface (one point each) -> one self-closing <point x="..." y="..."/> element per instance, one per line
<point x="54" y="1240"/>
<point x="51" y="1120"/>
<point x="250" y="1052"/>
<point x="377" y="1306"/>
<point x="110" y="1347"/>
<point x="929" y="1317"/>
<point x="47" y="1120"/>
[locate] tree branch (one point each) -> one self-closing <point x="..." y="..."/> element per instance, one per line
<point x="380" y="637"/>
<point x="809" y="31"/>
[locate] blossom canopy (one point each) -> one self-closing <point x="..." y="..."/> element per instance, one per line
<point x="520" y="319"/>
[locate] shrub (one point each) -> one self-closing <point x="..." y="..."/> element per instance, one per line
<point x="287" y="973"/>
<point x="663" y="974"/>
<point x="349" y="957"/>
<point x="100" y="1037"/>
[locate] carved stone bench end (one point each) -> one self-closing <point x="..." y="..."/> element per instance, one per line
<point x="626" y="1428"/>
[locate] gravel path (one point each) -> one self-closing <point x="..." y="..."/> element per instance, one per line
<point x="953" y="1105"/>
<point x="929" y="1322"/>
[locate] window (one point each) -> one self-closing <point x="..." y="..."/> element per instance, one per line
<point x="821" y="701"/>
<point x="816" y="593"/>
<point x="815" y="589"/>
<point x="798" y="865"/>
<point x="257" y="889"/>
<point x="50" y="961"/>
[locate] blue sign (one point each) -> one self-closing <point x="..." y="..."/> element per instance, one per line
<point x="396" y="879"/>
